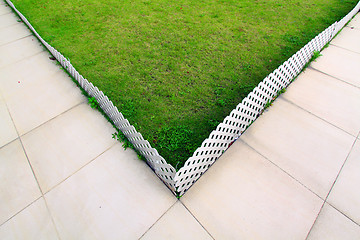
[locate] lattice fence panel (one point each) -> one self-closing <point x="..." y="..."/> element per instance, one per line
<point x="246" y="112"/>
<point x="226" y="132"/>
<point x="346" y="19"/>
<point x="165" y="171"/>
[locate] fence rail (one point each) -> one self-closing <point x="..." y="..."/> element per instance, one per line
<point x="226" y="132"/>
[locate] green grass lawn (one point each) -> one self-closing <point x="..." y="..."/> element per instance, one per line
<point x="175" y="69"/>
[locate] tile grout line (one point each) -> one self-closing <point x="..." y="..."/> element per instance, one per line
<point x="36" y="126"/>
<point x="50" y="118"/>
<point x="41" y="191"/>
<point x="6" y="65"/>
<point x="3" y="146"/>
<point x="52" y="218"/>
<point x="26" y="155"/>
<point x="47" y="207"/>
<point x="15" y="39"/>
<point x="196" y="219"/>
<point x="33" y="172"/>
<point x="315" y="69"/>
<point x="343" y="214"/>
<point x="86" y="164"/>
<point x="21" y="210"/>
<point x="325" y="201"/>
<point x="352" y="147"/>
<point x="332" y="186"/>
<point x="158" y="219"/>
<point x="307" y="111"/>
<point x="11" y="25"/>
<point x="53" y="118"/>
<point x="44" y="193"/>
<point x="277" y="166"/>
<point x="346" y="49"/>
<point x="22" y="145"/>
<point x="30" y="35"/>
<point x="317" y="216"/>
<point x="17" y="137"/>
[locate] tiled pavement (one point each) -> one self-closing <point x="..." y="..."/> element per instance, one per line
<point x="62" y="176"/>
<point x="294" y="174"/>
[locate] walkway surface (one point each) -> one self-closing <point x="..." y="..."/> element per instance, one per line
<point x="294" y="174"/>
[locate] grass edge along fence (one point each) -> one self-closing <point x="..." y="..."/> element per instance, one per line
<point x="226" y="132"/>
<point x="252" y="106"/>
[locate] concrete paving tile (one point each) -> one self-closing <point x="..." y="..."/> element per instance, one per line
<point x="4" y="9"/>
<point x="348" y="38"/>
<point x="18" y="187"/>
<point x="8" y="19"/>
<point x="115" y="195"/>
<point x="7" y="129"/>
<point x="19" y="50"/>
<point x="345" y="195"/>
<point x="177" y="223"/>
<point x="29" y="71"/>
<point x="38" y="95"/>
<point x="13" y="33"/>
<point x="335" y="101"/>
<point x="34" y="222"/>
<point x="355" y="22"/>
<point x="308" y="148"/>
<point x="244" y="196"/>
<point x="63" y="145"/>
<point x="339" y="63"/>
<point x="331" y="224"/>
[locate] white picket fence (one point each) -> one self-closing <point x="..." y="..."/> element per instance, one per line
<point x="226" y="132"/>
